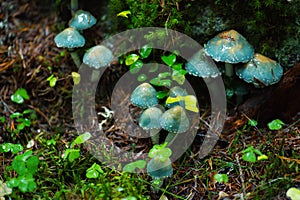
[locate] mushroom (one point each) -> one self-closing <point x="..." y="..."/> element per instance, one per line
<point x="199" y="65"/>
<point x="150" y="120"/>
<point x="158" y="169"/>
<point x="229" y="47"/>
<point x="175" y="92"/>
<point x="97" y="57"/>
<point x="144" y="96"/>
<point x="174" y="120"/>
<point x="261" y="71"/>
<point x="70" y="38"/>
<point x="82" y="20"/>
<point x="160" y="165"/>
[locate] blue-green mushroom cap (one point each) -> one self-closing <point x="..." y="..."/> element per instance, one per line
<point x="98" y="56"/>
<point x="82" y="20"/>
<point x="202" y="66"/>
<point x="175" y="92"/>
<point x="175" y="120"/>
<point x="144" y="96"/>
<point x="69" y="38"/>
<point x="158" y="169"/>
<point x="150" y="118"/>
<point x="260" y="71"/>
<point x="230" y="47"/>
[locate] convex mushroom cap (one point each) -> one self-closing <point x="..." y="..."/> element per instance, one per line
<point x="202" y="66"/>
<point x="82" y="20"/>
<point x="150" y="118"/>
<point x="158" y="169"/>
<point x="230" y="47"/>
<point x="144" y="96"/>
<point x="175" y="120"/>
<point x="98" y="56"/>
<point x="69" y="38"/>
<point x="260" y="71"/>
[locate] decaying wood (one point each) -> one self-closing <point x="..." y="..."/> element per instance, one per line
<point x="280" y="101"/>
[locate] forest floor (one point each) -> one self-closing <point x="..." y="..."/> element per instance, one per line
<point x="29" y="56"/>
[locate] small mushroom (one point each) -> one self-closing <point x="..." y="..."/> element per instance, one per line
<point x="202" y="66"/>
<point x="174" y="120"/>
<point x="229" y="47"/>
<point x="70" y="38"/>
<point x="98" y="56"/>
<point x="158" y="169"/>
<point x="82" y="20"/>
<point x="261" y="71"/>
<point x="150" y="120"/>
<point x="144" y="96"/>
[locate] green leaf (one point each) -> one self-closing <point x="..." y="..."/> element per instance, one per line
<point x="94" y="171"/>
<point x="32" y="164"/>
<point x="76" y="77"/>
<point x="19" y="96"/>
<point x="221" y="178"/>
<point x="27" y="111"/>
<point x="73" y="154"/>
<point x="2" y="119"/>
<point x="15" y="115"/>
<point x="169" y="60"/>
<point x="52" y="82"/>
<point x="124" y="13"/>
<point x="153" y="67"/>
<point x="20" y="126"/>
<point x="262" y="157"/>
<point x="6" y="147"/>
<point x="160" y="152"/>
<point x="252" y="122"/>
<point x="159" y="82"/>
<point x="177" y="66"/>
<point x="130" y="59"/>
<point x="249" y="156"/>
<point x="275" y="124"/>
<point x="26" y="122"/>
<point x="178" y="77"/>
<point x="293" y="193"/>
<point x="130" y="167"/>
<point x="16" y="148"/>
<point x="145" y="51"/>
<point x="164" y="75"/>
<point x="162" y="94"/>
<point x="82" y="138"/>
<point x="136" y="67"/>
<point x="19" y="166"/>
<point x="142" y="77"/>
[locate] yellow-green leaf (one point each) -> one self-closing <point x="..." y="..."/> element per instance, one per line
<point x="124" y="13"/>
<point x="76" y="77"/>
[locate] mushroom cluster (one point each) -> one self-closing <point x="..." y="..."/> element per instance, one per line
<point x="174" y="120"/>
<point x="71" y="37"/>
<point x="232" y="48"/>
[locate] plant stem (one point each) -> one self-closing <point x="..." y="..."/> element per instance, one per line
<point x="74" y="6"/>
<point x="228" y="69"/>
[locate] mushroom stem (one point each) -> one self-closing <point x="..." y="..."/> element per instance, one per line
<point x="75" y="58"/>
<point x="170" y="137"/>
<point x="228" y="69"/>
<point x="154" y="134"/>
<point x="156" y="184"/>
<point x="74" y="6"/>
